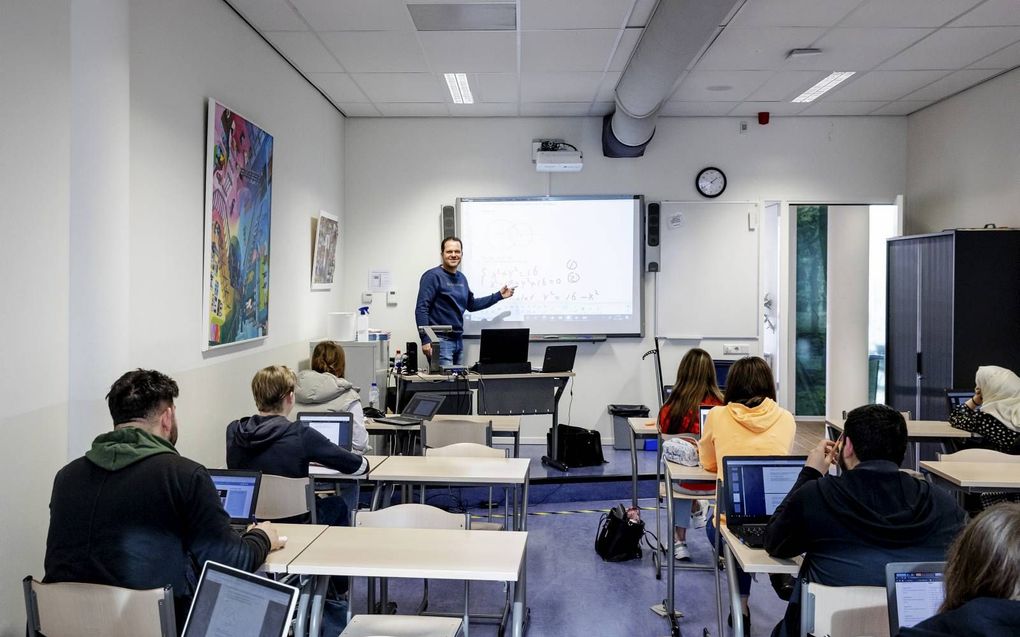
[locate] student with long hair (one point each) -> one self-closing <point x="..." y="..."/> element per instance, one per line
<point x="982" y="580"/>
<point x="695" y="386"/>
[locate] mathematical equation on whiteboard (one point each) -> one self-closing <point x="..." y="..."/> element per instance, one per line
<point x="566" y="284"/>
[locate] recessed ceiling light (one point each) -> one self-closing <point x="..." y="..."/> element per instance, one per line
<point x="459" y="89"/>
<point x="830" y="82"/>
<point x="804" y="52"/>
<point x="719" y="87"/>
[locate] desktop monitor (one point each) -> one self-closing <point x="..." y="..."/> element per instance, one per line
<point x="504" y="345"/>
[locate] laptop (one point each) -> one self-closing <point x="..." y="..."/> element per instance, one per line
<point x="754" y="487"/>
<point x="239" y="492"/>
<point x="504" y="351"/>
<point x="422" y="406"/>
<point x="233" y="603"/>
<point x="337" y="426"/>
<point x="558" y="358"/>
<point x="703" y="414"/>
<point x="956" y="397"/>
<point x="915" y="591"/>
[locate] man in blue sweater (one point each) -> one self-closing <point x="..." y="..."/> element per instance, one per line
<point x="443" y="297"/>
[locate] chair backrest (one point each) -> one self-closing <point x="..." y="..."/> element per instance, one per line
<point x="843" y="611"/>
<point x="282" y="497"/>
<point x="411" y="516"/>
<point x="68" y="609"/>
<point x="978" y="455"/>
<point x="906" y="415"/>
<point x="448" y="432"/>
<point x="466" y="450"/>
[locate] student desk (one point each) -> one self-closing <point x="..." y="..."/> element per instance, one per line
<point x="486" y="472"/>
<point x="415" y="553"/>
<point x="975" y="477"/>
<point x="320" y="472"/>
<point x="918" y="431"/>
<point x="640" y="429"/>
<point x="751" y="561"/>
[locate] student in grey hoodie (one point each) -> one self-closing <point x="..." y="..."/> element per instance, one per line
<point x="324" y="388"/>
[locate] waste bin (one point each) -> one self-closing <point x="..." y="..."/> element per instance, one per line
<point x="621" y="430"/>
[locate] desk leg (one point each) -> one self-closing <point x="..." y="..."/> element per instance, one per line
<point x="522" y="522"/>
<point x="301" y="621"/>
<point x="520" y="605"/>
<point x="517" y="443"/>
<point x="552" y="460"/>
<point x="671" y="565"/>
<point x="917" y="455"/>
<point x="633" y="467"/>
<point x="318" y="600"/>
<point x="731" y="579"/>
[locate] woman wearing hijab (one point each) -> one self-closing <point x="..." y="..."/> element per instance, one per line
<point x="997" y="394"/>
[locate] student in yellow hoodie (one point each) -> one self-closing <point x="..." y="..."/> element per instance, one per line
<point x="750" y="423"/>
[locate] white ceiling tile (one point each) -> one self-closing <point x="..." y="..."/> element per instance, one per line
<point x="1007" y="58"/>
<point x="775" y="109"/>
<point x="470" y="51"/>
<point x="363" y="109"/>
<point x="697" y="109"/>
<point x="270" y="15"/>
<point x="305" y="51"/>
<point x="376" y="51"/>
<point x="793" y="13"/>
<point x="755" y="49"/>
<point x="560" y="87"/>
<point x="856" y="49"/>
<point x="954" y="48"/>
<point x="709" y="86"/>
<point x="642" y="11"/>
<point x="355" y="15"/>
<point x="338" y="86"/>
<point x="555" y="109"/>
<point x="623" y="50"/>
<point x="574" y="14"/>
<point x="495" y="87"/>
<point x="832" y="108"/>
<point x="993" y="13"/>
<point x="907" y="13"/>
<point x="951" y="84"/>
<point x="607" y="92"/>
<point x="483" y="110"/>
<point x="884" y="85"/>
<point x="900" y="108"/>
<point x="786" y="85"/>
<point x="401" y="87"/>
<point x="411" y="109"/>
<point x="550" y="51"/>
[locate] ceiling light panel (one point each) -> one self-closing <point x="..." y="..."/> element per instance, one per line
<point x="464" y="17"/>
<point x="828" y="83"/>
<point x="460" y="91"/>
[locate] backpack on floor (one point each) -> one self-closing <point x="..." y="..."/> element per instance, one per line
<point x="578" y="447"/>
<point x="619" y="535"/>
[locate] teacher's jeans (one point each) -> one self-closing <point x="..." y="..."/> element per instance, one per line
<point x="451" y="351"/>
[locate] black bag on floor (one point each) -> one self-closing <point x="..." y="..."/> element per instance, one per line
<point x="578" y="447"/>
<point x="619" y="536"/>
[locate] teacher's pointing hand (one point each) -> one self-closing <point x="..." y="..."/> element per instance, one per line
<point x="506" y="291"/>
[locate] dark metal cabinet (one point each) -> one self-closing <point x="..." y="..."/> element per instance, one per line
<point x="953" y="303"/>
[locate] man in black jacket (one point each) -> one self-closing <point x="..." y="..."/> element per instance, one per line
<point x="269" y="442"/>
<point x="133" y="513"/>
<point x="849" y="526"/>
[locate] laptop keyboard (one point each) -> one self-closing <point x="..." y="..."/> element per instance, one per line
<point x="752" y="535"/>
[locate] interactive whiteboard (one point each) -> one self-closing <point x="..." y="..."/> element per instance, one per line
<point x="575" y="261"/>
<point x="708" y="281"/>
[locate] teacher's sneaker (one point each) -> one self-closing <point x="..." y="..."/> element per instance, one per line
<point x="681" y="552"/>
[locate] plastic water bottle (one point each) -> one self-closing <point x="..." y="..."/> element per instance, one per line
<point x="398" y="364"/>
<point x="373" y="395"/>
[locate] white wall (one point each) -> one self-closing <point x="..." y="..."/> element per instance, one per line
<point x="964" y="159"/>
<point x="400" y="171"/>
<point x="179" y="54"/>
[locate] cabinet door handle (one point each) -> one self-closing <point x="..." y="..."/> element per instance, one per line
<point x="919" y="367"/>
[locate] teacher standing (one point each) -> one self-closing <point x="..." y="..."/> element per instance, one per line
<point x="443" y="297"/>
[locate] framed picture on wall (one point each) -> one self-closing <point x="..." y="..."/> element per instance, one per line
<point x="327" y="236"/>
<point x="238" y="211"/>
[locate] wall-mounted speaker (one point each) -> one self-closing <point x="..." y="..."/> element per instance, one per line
<point x="448" y="222"/>
<point x="652" y="237"/>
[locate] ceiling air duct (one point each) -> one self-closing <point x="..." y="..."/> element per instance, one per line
<point x="674" y="38"/>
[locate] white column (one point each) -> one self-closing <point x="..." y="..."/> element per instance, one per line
<point x="846" y="359"/>
<point x="99" y="262"/>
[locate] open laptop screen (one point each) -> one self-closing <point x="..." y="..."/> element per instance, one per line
<point x="238" y="491"/>
<point x="232" y="603"/>
<point x="337" y="426"/>
<point x="915" y="592"/>
<point x="504" y="345"/>
<point x="756" y="485"/>
<point x="423" y="405"/>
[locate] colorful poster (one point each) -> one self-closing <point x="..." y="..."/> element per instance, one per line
<point x="327" y="235"/>
<point x="238" y="206"/>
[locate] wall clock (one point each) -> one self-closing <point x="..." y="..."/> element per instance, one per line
<point x="711" y="182"/>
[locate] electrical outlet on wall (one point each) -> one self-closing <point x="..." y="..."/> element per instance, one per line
<point x="736" y="349"/>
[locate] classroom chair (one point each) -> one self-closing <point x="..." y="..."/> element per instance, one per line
<point x="448" y="432"/>
<point x="70" y="609"/>
<point x="281" y="498"/>
<point x="402" y="626"/>
<point x="474" y="450"/>
<point x="978" y="455"/>
<point x="843" y="611"/>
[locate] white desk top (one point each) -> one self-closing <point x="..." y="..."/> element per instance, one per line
<point x="977" y="475"/>
<point x="643" y="426"/>
<point x="450" y="470"/>
<point x="692" y="474"/>
<point x="299" y="536"/>
<point x="319" y="471"/>
<point x="757" y="560"/>
<point x="425" y="553"/>
<point x="919" y="429"/>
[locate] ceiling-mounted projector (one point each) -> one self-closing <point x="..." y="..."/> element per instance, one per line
<point x="558" y="161"/>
